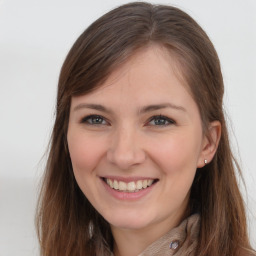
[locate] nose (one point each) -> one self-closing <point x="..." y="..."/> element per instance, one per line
<point x="125" y="150"/>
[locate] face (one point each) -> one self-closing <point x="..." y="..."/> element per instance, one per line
<point x="136" y="142"/>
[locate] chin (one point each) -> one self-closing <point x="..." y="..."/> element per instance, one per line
<point x="129" y="221"/>
<point x="129" y="224"/>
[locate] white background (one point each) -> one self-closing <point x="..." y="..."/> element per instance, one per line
<point x="34" y="39"/>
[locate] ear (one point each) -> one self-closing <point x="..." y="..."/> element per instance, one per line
<point x="210" y="143"/>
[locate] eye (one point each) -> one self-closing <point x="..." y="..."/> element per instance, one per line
<point x="161" y="121"/>
<point x="94" y="120"/>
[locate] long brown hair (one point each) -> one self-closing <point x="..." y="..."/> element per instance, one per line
<point x="67" y="223"/>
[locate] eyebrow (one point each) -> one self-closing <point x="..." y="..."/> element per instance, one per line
<point x="161" y="106"/>
<point x="92" y="106"/>
<point x="143" y="110"/>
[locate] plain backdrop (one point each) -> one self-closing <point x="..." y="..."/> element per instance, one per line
<point x="35" y="37"/>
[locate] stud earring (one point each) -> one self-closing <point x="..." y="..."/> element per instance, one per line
<point x="205" y="161"/>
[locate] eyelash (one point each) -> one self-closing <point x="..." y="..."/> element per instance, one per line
<point x="86" y="119"/>
<point x="166" y="119"/>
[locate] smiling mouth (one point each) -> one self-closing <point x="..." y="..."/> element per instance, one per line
<point x="130" y="187"/>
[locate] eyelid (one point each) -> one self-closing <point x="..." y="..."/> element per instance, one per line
<point x="170" y="120"/>
<point x="86" y="118"/>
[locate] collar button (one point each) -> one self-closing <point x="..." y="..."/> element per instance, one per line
<point x="174" y="245"/>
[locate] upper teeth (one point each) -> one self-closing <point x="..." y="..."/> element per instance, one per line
<point x="132" y="186"/>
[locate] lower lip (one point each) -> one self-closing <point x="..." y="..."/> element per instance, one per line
<point x="128" y="195"/>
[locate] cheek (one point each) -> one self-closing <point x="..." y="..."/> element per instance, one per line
<point x="85" y="152"/>
<point x="177" y="152"/>
<point x="177" y="159"/>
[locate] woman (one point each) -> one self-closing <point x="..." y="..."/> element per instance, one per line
<point x="140" y="161"/>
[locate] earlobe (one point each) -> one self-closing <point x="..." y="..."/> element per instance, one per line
<point x="210" y="143"/>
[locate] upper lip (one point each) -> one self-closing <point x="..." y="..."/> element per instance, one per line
<point x="128" y="179"/>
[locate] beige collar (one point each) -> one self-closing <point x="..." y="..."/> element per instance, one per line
<point x="180" y="241"/>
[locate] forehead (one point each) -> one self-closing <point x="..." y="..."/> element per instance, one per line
<point x="151" y="61"/>
<point x="150" y="76"/>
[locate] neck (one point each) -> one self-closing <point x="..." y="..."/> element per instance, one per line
<point x="131" y="242"/>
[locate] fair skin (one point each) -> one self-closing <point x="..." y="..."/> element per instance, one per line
<point x="145" y="127"/>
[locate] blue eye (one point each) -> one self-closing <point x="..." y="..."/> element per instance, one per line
<point x="161" y="121"/>
<point x="94" y="120"/>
